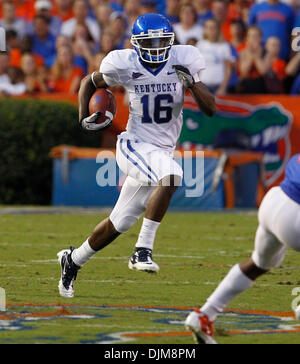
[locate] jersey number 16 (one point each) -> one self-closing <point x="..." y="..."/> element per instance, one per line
<point x="158" y="109"/>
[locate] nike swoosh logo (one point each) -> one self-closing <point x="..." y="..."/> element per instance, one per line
<point x="170" y="73"/>
<point x="136" y="75"/>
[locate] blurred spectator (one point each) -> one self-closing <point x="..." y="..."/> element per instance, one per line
<point x="188" y="26"/>
<point x="295" y="4"/>
<point x="25" y="46"/>
<point x="219" y="9"/>
<point x="296" y="87"/>
<point x="273" y="67"/>
<point x="203" y="8"/>
<point x="11" y="78"/>
<point x="118" y="28"/>
<point x="237" y="35"/>
<point x="292" y="70"/>
<point x="65" y="76"/>
<point x="218" y="58"/>
<point x="236" y="8"/>
<point x="92" y="28"/>
<point x="12" y="40"/>
<point x="107" y="43"/>
<point x="192" y="41"/>
<point x="250" y="64"/>
<point x="132" y="9"/>
<point x="172" y="11"/>
<point x="97" y="59"/>
<point x="237" y="43"/>
<point x="102" y="14"/>
<point x="62" y="40"/>
<point x="63" y="9"/>
<point x="117" y="5"/>
<point x="148" y="6"/>
<point x="10" y="21"/>
<point x="297" y="20"/>
<point x="246" y="15"/>
<point x="43" y="7"/>
<point x="83" y="47"/>
<point x="78" y="60"/>
<point x="293" y="67"/>
<point x="80" y="9"/>
<point x="18" y="86"/>
<point x="94" y="4"/>
<point x="33" y="79"/>
<point x="43" y="40"/>
<point x="4" y="64"/>
<point x="128" y="44"/>
<point x="24" y="8"/>
<point x="275" y="19"/>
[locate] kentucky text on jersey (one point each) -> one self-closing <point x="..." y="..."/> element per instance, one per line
<point x="155" y="87"/>
<point x="155" y="97"/>
<point x="291" y="184"/>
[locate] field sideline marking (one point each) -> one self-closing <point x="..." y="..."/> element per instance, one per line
<point x="116" y="281"/>
<point x="179" y="308"/>
<point x="62" y="311"/>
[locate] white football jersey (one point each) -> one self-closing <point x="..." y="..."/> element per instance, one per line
<point x="155" y="96"/>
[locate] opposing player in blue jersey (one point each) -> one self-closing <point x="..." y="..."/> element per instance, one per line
<point x="279" y="229"/>
<point x="155" y="74"/>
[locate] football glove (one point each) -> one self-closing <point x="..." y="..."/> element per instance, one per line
<point x="184" y="76"/>
<point x="89" y="123"/>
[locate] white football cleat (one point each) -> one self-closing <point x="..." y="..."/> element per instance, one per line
<point x="68" y="273"/>
<point x="141" y="260"/>
<point x="202" y="329"/>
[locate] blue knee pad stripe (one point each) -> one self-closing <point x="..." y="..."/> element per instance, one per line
<point x="129" y="146"/>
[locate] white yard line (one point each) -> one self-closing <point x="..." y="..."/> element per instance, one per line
<point x="116" y="281"/>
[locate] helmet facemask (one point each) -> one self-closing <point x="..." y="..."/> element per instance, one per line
<point x="153" y="47"/>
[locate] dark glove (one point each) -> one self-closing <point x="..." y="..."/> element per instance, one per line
<point x="184" y="76"/>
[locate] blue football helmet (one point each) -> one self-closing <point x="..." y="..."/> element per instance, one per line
<point x="152" y="38"/>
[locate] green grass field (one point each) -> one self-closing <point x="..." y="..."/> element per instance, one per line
<point x="114" y="304"/>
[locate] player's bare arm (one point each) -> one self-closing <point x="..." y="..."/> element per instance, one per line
<point x="205" y="100"/>
<point x="203" y="97"/>
<point x="87" y="88"/>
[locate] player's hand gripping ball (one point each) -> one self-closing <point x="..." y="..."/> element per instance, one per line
<point x="102" y="108"/>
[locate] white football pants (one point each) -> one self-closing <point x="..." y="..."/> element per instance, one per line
<point x="145" y="165"/>
<point x="279" y="228"/>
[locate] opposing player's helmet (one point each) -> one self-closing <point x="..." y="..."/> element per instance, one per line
<point x="152" y="38"/>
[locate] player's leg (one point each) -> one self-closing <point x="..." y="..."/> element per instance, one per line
<point x="72" y="260"/>
<point x="269" y="252"/>
<point x="160" y="198"/>
<point x="160" y="169"/>
<point x="157" y="207"/>
<point x="129" y="208"/>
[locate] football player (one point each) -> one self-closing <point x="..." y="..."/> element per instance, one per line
<point x="156" y="74"/>
<point x="279" y="229"/>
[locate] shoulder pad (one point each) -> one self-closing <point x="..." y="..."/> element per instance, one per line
<point x="189" y="57"/>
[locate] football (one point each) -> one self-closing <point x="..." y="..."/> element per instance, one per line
<point x="103" y="101"/>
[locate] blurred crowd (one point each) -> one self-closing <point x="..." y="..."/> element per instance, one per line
<point x="249" y="46"/>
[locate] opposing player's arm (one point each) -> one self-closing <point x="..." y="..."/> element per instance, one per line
<point x="203" y="97"/>
<point x="87" y="88"/>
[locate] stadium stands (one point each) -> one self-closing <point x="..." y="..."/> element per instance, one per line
<point x="257" y="32"/>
